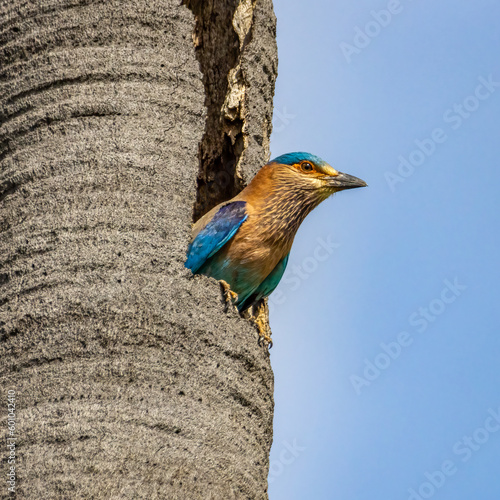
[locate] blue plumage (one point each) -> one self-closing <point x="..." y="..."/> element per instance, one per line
<point x="215" y="234"/>
<point x="211" y="238"/>
<point x="292" y="158"/>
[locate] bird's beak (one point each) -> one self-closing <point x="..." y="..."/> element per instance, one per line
<point x="344" y="181"/>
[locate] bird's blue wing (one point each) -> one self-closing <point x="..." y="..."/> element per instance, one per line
<point x="221" y="228"/>
<point x="266" y="287"/>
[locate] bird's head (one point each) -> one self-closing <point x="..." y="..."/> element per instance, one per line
<point x="304" y="171"/>
<point x="312" y="173"/>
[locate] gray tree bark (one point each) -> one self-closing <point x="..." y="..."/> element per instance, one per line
<point x="121" y="121"/>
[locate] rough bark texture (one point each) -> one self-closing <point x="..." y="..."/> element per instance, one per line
<point x="120" y="122"/>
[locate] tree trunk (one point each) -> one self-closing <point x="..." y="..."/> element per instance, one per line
<point x="120" y="122"/>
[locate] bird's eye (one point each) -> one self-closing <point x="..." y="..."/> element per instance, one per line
<point x="306" y="167"/>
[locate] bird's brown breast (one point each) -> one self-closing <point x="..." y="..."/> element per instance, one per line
<point x="256" y="248"/>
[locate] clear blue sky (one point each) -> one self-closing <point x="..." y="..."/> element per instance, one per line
<point x="386" y="325"/>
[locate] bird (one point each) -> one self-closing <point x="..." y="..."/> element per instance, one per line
<point x="245" y="242"/>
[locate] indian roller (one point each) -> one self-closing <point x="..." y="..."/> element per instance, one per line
<point x="245" y="242"/>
